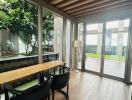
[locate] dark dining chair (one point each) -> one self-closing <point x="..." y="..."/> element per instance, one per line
<point x="60" y="80"/>
<point x="37" y="92"/>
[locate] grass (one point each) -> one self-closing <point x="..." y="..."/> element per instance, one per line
<point x="108" y="57"/>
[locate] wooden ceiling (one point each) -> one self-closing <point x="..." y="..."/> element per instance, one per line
<point x="80" y="8"/>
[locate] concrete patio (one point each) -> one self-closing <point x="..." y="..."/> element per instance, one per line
<point x="111" y="67"/>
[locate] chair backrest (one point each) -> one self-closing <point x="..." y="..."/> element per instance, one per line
<point x="61" y="80"/>
<point x="37" y="92"/>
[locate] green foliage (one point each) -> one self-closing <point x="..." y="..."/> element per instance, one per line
<point x="21" y="17"/>
<point x="4" y="20"/>
<point x="48" y="19"/>
<point x="4" y="17"/>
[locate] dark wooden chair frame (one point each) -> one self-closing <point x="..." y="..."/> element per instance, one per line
<point x="64" y="74"/>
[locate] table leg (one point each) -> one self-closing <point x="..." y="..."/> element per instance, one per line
<point x="40" y="78"/>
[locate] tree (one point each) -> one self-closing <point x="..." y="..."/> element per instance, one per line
<point x="48" y="20"/>
<point x="4" y="17"/>
<point x="20" y="17"/>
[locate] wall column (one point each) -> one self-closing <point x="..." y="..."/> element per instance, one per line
<point x="128" y="71"/>
<point x="64" y="41"/>
<point x="74" y="37"/>
<point x="103" y="49"/>
<point x="71" y="46"/>
<point x="84" y="41"/>
<point x="40" y="51"/>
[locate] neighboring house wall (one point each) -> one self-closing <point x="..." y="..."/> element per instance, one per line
<point x="5" y="36"/>
<point x="14" y="40"/>
<point x="22" y="46"/>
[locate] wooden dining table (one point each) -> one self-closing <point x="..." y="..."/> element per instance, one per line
<point x="15" y="75"/>
<point x="11" y="76"/>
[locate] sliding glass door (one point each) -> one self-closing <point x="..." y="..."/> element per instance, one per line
<point x="116" y="38"/>
<point x="106" y="48"/>
<point x="93" y="47"/>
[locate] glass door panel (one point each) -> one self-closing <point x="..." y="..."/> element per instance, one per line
<point x="116" y="38"/>
<point x="93" y="47"/>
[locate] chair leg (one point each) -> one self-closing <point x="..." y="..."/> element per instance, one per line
<point x="68" y="92"/>
<point x="52" y="94"/>
<point x="49" y="97"/>
<point x="6" y="93"/>
<point x="67" y="89"/>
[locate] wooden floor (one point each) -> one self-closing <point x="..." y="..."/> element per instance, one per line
<point x="85" y="86"/>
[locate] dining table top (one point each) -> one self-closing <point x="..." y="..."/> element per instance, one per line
<point x="17" y="74"/>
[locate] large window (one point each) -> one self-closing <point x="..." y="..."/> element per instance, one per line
<point x="18" y="31"/>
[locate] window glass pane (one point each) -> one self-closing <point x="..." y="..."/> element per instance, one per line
<point x="58" y="30"/>
<point x="114" y="39"/>
<point x="92" y="40"/>
<point x="112" y="24"/>
<point x="92" y="27"/>
<point x="18" y="34"/>
<point x="126" y="22"/>
<point x="48" y="32"/>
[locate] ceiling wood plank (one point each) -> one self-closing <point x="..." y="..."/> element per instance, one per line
<point x="104" y="9"/>
<point x="53" y="9"/>
<point x="53" y="2"/>
<point x="77" y="4"/>
<point x="65" y="3"/>
<point x="86" y="6"/>
<point x="101" y="6"/>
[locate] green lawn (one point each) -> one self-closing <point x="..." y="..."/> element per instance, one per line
<point x="109" y="57"/>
